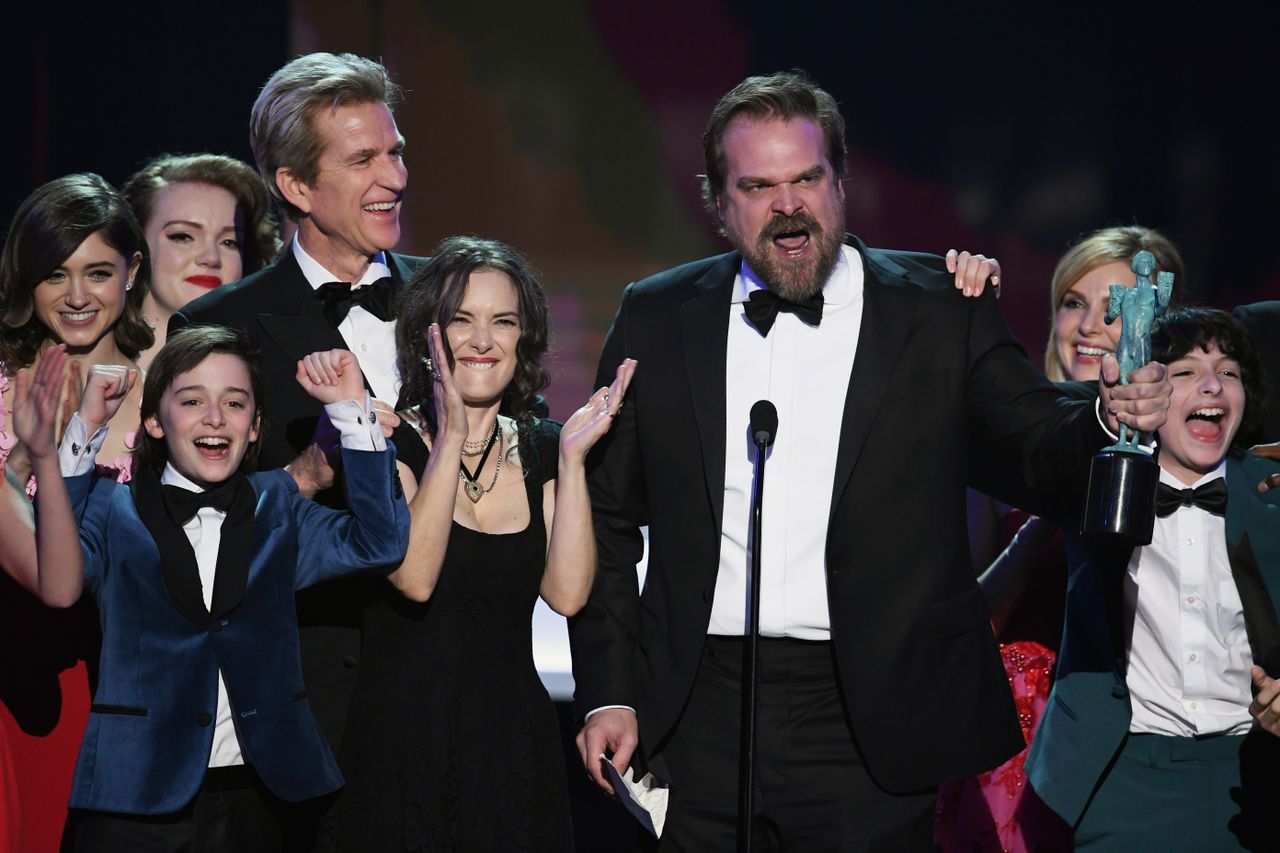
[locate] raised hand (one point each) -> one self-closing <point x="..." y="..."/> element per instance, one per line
<point x="585" y="426"/>
<point x="331" y="376"/>
<point x="37" y="394"/>
<point x="972" y="272"/>
<point x="451" y="412"/>
<point x="104" y="390"/>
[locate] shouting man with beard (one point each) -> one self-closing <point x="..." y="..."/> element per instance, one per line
<point x="879" y="674"/>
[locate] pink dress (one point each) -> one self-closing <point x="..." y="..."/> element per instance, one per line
<point x="997" y="811"/>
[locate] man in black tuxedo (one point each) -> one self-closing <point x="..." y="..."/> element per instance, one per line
<point x="327" y="145"/>
<point x="879" y="672"/>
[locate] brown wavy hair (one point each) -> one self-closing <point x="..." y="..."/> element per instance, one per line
<point x="48" y="227"/>
<point x="261" y="241"/>
<point x="433" y="296"/>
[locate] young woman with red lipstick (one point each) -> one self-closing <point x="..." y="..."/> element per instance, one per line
<point x="1025" y="584"/>
<point x="208" y="222"/>
<point x="73" y="272"/>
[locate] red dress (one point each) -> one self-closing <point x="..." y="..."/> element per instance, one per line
<point x="44" y="702"/>
<point x="996" y="811"/>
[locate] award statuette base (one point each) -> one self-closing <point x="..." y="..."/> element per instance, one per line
<point x="1121" y="504"/>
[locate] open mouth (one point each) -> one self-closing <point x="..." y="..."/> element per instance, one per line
<point x="792" y="236"/>
<point x="380" y="207"/>
<point x="1090" y="352"/>
<point x="78" y="318"/>
<point x="1207" y="423"/>
<point x="476" y="365"/>
<point x="213" y="447"/>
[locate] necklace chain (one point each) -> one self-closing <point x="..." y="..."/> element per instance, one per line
<point x="474" y="490"/>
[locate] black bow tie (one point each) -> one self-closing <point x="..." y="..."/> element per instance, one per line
<point x="339" y="296"/>
<point x="182" y="504"/>
<point x="763" y="307"/>
<point x="1212" y="496"/>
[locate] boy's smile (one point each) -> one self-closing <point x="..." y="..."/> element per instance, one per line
<point x="207" y="419"/>
<point x="1204" y="413"/>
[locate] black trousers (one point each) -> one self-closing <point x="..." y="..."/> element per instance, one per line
<point x="232" y="811"/>
<point x="812" y="791"/>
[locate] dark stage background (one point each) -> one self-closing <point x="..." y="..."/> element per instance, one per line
<point x="571" y="129"/>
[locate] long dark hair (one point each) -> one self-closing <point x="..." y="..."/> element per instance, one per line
<point x="433" y="296"/>
<point x="48" y="227"/>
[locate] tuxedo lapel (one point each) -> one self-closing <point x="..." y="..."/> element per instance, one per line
<point x="1254" y="553"/>
<point x="888" y="305"/>
<point x="704" y="323"/>
<point x="292" y="316"/>
<point x="238" y="538"/>
<point x="177" y="559"/>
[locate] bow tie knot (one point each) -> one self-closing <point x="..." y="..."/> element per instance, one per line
<point x="181" y="504"/>
<point x="1211" y="497"/>
<point x="763" y="307"/>
<point x="339" y="296"/>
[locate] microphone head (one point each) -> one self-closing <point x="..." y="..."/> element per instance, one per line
<point x="764" y="422"/>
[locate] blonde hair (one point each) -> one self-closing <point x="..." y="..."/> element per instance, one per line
<point x="1099" y="248"/>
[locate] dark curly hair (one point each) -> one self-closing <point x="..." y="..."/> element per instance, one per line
<point x="1180" y="330"/>
<point x="48" y="227"/>
<point x="433" y="296"/>
<point x="183" y="351"/>
<point x="261" y="241"/>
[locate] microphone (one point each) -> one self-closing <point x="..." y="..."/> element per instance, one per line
<point x="764" y="422"/>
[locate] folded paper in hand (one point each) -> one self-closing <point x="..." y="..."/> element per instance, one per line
<point x="645" y="798"/>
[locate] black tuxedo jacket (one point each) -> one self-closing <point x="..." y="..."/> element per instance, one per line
<point x="1262" y="319"/>
<point x="278" y="309"/>
<point x="940" y="396"/>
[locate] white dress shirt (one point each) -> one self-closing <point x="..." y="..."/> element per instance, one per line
<point x="804" y="371"/>
<point x="359" y="430"/>
<point x="1189" y="655"/>
<point x="372" y="341"/>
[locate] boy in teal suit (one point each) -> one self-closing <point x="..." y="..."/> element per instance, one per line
<point x="200" y="735"/>
<point x="1153" y="738"/>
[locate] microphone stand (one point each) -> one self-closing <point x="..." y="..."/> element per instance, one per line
<point x="751" y="659"/>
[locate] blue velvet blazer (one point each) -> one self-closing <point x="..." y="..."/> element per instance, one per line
<point x="147" y="744"/>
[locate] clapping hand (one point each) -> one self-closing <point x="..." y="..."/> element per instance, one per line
<point x="38" y="399"/>
<point x="332" y="376"/>
<point x="585" y="427"/>
<point x="451" y="412"/>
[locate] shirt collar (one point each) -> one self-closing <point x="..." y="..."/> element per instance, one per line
<point x="1170" y="480"/>
<point x="171" y="477"/>
<point x="838" y="290"/>
<point x="316" y="275"/>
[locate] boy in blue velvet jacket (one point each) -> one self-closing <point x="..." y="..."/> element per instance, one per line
<point x="200" y="735"/>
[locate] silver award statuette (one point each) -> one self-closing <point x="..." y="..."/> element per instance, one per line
<point x="1120" y="507"/>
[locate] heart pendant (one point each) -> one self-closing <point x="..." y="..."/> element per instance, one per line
<point x="475" y="491"/>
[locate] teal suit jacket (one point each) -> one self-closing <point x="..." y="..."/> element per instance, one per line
<point x="147" y="744"/>
<point x="1087" y="717"/>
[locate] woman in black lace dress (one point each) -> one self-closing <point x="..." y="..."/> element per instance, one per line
<point x="452" y="741"/>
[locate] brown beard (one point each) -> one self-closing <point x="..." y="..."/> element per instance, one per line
<point x="793" y="281"/>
